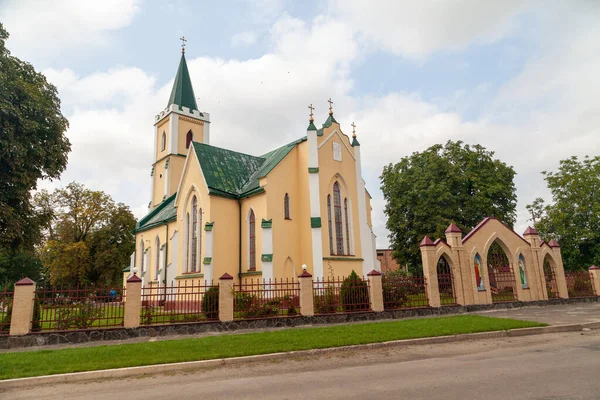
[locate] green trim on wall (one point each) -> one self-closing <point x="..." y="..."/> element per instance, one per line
<point x="207" y="260"/>
<point x="315" y="222"/>
<point x="313" y="170"/>
<point x="267" y="223"/>
<point x="189" y="276"/>
<point x="267" y="257"/>
<point x="342" y="259"/>
<point x="209" y="226"/>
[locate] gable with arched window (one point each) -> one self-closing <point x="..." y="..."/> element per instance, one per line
<point x="252" y="241"/>
<point x="189" y="138"/>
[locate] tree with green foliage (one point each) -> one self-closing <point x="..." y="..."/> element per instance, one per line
<point x="573" y="216"/>
<point x="33" y="146"/>
<point x="90" y="237"/>
<point x="428" y="190"/>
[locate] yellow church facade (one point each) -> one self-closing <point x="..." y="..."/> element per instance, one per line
<point x="214" y="211"/>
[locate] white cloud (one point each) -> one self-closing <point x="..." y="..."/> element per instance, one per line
<point x="48" y="27"/>
<point x="243" y="39"/>
<point x="416" y="29"/>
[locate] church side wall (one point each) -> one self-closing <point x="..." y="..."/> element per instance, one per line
<point x="344" y="172"/>
<point x="149" y="238"/>
<point x="225" y="215"/>
<point x="176" y="164"/>
<point x="286" y="239"/>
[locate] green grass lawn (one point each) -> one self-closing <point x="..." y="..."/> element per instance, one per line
<point x="48" y="362"/>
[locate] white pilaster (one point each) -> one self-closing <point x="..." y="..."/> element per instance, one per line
<point x="366" y="240"/>
<point x="207" y="129"/>
<point x="314" y="196"/>
<point x="267" y="250"/>
<point x="208" y="254"/>
<point x="174" y="133"/>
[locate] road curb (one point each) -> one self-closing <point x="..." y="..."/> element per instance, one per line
<point x="194" y="365"/>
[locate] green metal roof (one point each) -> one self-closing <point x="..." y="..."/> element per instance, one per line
<point x="164" y="212"/>
<point x="355" y="142"/>
<point x="182" y="93"/>
<point x="236" y="175"/>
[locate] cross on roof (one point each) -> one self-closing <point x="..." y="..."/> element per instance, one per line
<point x="353" y="129"/>
<point x="330" y="106"/>
<point x="183" y="40"/>
<point x="311" y="111"/>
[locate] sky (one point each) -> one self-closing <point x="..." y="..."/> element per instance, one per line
<point x="518" y="77"/>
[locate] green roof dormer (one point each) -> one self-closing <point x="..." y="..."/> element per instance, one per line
<point x="182" y="93"/>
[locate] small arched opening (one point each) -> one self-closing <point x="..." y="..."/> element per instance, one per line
<point x="501" y="275"/>
<point x="445" y="281"/>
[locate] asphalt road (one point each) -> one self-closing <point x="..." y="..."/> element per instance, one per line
<point x="553" y="366"/>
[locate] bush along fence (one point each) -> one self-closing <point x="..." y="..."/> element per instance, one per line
<point x="29" y="310"/>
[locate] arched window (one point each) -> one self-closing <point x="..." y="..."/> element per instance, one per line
<point x="252" y="234"/>
<point x="163" y="142"/>
<point x="199" y="239"/>
<point x="187" y="242"/>
<point x="194" y="248"/>
<point x="339" y="229"/>
<point x="478" y="273"/>
<point x="286" y="206"/>
<point x="142" y="266"/>
<point x="188" y="139"/>
<point x="330" y="224"/>
<point x="522" y="272"/>
<point x="347" y="226"/>
<point x="156" y="257"/>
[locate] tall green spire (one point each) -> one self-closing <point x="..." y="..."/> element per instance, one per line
<point x="182" y="93"/>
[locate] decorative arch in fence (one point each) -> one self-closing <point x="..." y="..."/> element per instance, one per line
<point x="492" y="263"/>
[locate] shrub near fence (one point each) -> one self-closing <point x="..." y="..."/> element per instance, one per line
<point x="579" y="284"/>
<point x="177" y="303"/>
<point x="266" y="298"/>
<point x="334" y="295"/>
<point x="403" y="291"/>
<point x="6" y="302"/>
<point x="76" y="309"/>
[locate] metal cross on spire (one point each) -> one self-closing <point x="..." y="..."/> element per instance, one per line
<point x="183" y="40"/>
<point x="353" y="130"/>
<point x="330" y="106"/>
<point x="311" y="108"/>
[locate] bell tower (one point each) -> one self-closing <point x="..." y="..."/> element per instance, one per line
<point x="179" y="124"/>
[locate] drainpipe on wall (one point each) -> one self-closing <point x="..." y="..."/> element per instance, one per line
<point x="166" y="260"/>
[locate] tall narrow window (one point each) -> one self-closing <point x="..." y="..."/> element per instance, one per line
<point x="187" y="242"/>
<point x="142" y="266"/>
<point x="347" y="225"/>
<point x="164" y="142"/>
<point x="330" y="224"/>
<point x="188" y="139"/>
<point x="339" y="229"/>
<point x="286" y="206"/>
<point x="199" y="239"/>
<point x="156" y="257"/>
<point x="194" y="248"/>
<point x="252" y="250"/>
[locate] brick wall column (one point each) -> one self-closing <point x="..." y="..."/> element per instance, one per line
<point x="430" y="272"/>
<point x="595" y="276"/>
<point x="375" y="291"/>
<point x="226" y="297"/>
<point x="307" y="306"/>
<point x="133" y="302"/>
<point x="22" y="309"/>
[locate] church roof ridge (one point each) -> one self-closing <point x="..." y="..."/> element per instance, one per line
<point x="182" y="93"/>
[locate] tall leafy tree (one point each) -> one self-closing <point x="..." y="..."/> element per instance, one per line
<point x="573" y="216"/>
<point x="90" y="238"/>
<point x="33" y="146"/>
<point x="428" y="190"/>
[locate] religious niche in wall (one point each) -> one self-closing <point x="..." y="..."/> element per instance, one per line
<point x="337" y="151"/>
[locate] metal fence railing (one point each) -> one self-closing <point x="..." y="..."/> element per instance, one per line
<point x="179" y="303"/>
<point x="401" y="292"/>
<point x="579" y="284"/>
<point x="6" y="302"/>
<point x="341" y="295"/>
<point x="77" y="309"/>
<point x="266" y="298"/>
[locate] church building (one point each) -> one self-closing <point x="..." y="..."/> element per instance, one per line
<point x="214" y="211"/>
